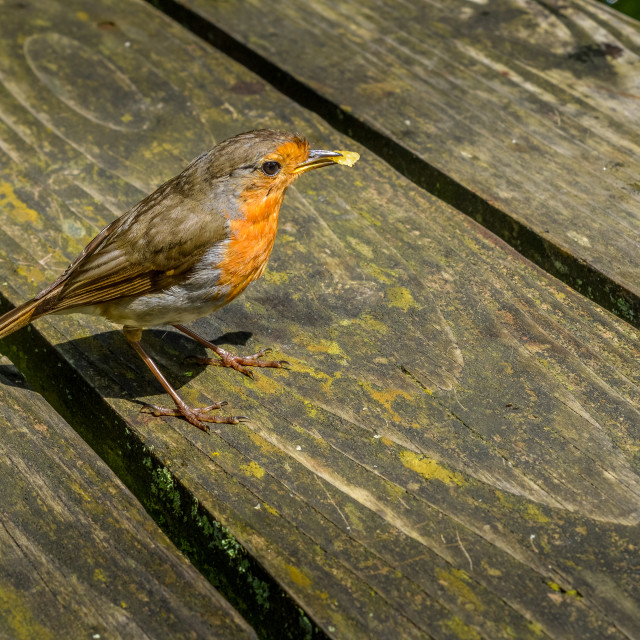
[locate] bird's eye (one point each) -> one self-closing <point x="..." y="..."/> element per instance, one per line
<point x="271" y="167"/>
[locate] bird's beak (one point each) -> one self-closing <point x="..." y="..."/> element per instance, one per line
<point x="317" y="158"/>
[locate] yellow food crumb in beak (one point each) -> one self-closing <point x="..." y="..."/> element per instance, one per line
<point x="347" y="157"/>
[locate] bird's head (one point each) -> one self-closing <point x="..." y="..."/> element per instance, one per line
<point x="261" y="164"/>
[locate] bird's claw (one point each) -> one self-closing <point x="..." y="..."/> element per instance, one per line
<point x="197" y="416"/>
<point x="241" y="363"/>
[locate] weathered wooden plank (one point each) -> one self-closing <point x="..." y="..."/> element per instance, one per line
<point x="455" y="450"/>
<point x="79" y="557"/>
<point x="531" y="106"/>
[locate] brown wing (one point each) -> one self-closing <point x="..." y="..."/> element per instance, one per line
<point x="147" y="249"/>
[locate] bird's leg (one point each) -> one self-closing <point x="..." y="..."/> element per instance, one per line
<point x="196" y="416"/>
<point x="227" y="359"/>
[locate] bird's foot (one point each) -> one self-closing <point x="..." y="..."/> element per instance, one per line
<point x="197" y="416"/>
<point x="240" y="363"/>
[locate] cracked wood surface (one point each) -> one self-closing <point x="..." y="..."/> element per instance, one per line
<point x="79" y="557"/>
<point x="532" y="105"/>
<point x="454" y="452"/>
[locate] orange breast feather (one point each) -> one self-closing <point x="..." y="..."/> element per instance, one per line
<point x="251" y="242"/>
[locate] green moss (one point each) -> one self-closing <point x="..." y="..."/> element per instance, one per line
<point x="163" y="483"/>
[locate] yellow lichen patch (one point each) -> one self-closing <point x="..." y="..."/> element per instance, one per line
<point x="311" y="409"/>
<point x="361" y="247"/>
<point x="157" y="148"/>
<point x="326" y="386"/>
<point x="252" y="469"/>
<point x="78" y="491"/>
<point x="190" y="395"/>
<point x="297" y="576"/>
<point x="11" y="204"/>
<point x="272" y="510"/>
<point x="99" y="574"/>
<point x="276" y="277"/>
<point x="428" y="468"/>
<point x="326" y="346"/>
<point x="354" y="516"/>
<point x="370" y="218"/>
<point x="385" y="397"/>
<point x="533" y="512"/>
<point x="300" y="365"/>
<point x="462" y="630"/>
<point x="379" y="273"/>
<point x="82" y="15"/>
<point x="264" y="384"/>
<point x="401" y="297"/>
<point x="567" y="592"/>
<point x="535" y="628"/>
<point x="456" y="582"/>
<point x="371" y="324"/>
<point x="348" y="158"/>
<point x="31" y="272"/>
<point x="259" y="441"/>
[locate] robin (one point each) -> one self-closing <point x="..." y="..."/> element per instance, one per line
<point x="184" y="251"/>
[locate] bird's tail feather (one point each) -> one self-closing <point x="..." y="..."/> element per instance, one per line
<point x="18" y="317"/>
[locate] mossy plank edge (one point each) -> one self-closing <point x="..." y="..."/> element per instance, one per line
<point x="530" y="106"/>
<point x="79" y="555"/>
<point x="454" y="452"/>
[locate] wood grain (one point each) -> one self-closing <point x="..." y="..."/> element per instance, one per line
<point x="454" y="452"/>
<point x="79" y="557"/>
<point x="522" y="113"/>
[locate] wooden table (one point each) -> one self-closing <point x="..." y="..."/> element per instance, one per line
<point x="454" y="452"/>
